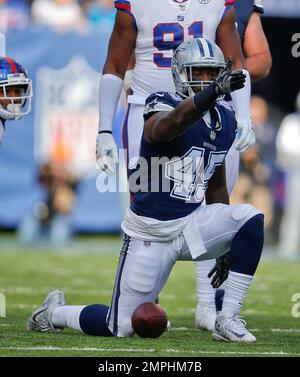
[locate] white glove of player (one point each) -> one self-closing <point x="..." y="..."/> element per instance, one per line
<point x="245" y="136"/>
<point x="106" y="152"/>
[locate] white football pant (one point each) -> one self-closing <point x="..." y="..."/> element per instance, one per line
<point x="145" y="266"/>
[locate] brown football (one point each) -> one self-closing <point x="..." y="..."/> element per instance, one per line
<point x="149" y="320"/>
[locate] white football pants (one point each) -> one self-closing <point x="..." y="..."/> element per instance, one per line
<point x="145" y="266"/>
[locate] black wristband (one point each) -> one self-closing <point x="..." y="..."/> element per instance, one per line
<point x="205" y="99"/>
<point x="105" y="132"/>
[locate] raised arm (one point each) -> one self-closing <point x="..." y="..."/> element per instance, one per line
<point x="164" y="126"/>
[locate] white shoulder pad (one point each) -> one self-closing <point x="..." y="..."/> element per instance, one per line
<point x="156" y="105"/>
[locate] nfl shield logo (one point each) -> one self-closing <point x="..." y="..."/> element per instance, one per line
<point x="66" y="121"/>
<point x="212" y="135"/>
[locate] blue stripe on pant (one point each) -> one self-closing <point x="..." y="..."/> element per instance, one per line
<point x="113" y="312"/>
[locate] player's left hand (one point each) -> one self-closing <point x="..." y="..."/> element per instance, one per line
<point x="106" y="153"/>
<point x="230" y="80"/>
<point x="245" y="136"/>
<point x="219" y="271"/>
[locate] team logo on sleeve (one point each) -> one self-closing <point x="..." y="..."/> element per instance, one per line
<point x="151" y="105"/>
<point x="157" y="105"/>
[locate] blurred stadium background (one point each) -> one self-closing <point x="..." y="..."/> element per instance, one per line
<point x="48" y="177"/>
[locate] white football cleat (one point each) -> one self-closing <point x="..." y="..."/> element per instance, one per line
<point x="205" y="317"/>
<point x="231" y="330"/>
<point x="40" y="319"/>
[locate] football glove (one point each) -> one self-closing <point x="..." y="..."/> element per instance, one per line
<point x="245" y="136"/>
<point x="106" y="152"/>
<point x="219" y="271"/>
<point x="230" y="80"/>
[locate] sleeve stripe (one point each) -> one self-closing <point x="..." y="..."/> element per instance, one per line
<point x="226" y="9"/>
<point x="229" y="2"/>
<point x="122" y="4"/>
<point x="123" y="7"/>
<point x="126" y="7"/>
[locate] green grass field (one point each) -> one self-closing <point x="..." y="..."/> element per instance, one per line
<point x="87" y="277"/>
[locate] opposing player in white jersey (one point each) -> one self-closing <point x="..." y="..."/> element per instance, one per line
<point x="258" y="62"/>
<point x="15" y="92"/>
<point x="190" y="133"/>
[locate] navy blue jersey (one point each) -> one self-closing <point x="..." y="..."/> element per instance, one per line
<point x="244" y="10"/>
<point x="171" y="178"/>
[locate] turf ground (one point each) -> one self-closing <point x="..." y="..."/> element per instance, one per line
<point x="86" y="274"/>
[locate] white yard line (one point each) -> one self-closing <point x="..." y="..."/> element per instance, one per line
<point x="175" y="329"/>
<point x="285" y="330"/>
<point x="90" y="349"/>
<point x="21" y="306"/>
<point x="191" y="329"/>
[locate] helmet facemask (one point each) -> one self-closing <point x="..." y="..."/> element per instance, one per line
<point x="190" y="84"/>
<point x="15" y="107"/>
<point x="195" y="53"/>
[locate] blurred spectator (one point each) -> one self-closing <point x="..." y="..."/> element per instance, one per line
<point x="62" y="15"/>
<point x="50" y="220"/>
<point x="288" y="146"/>
<point x="257" y="165"/>
<point x="100" y="13"/>
<point x="14" y="14"/>
<point x="265" y="134"/>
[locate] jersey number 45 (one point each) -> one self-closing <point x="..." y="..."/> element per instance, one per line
<point x="191" y="173"/>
